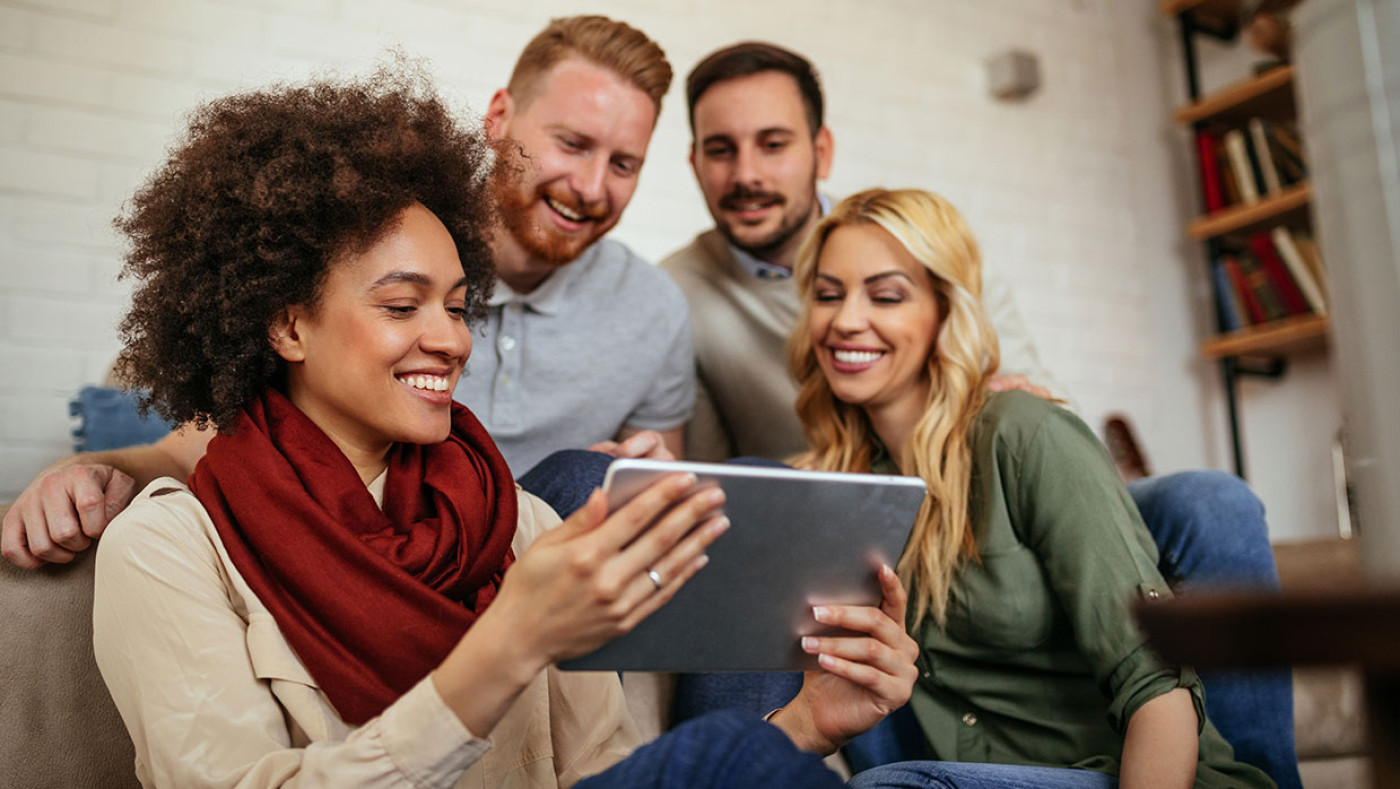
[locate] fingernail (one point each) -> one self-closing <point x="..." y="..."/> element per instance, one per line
<point x="686" y="480"/>
<point x="820" y="613"/>
<point x="825" y="660"/>
<point x="701" y="560"/>
<point x="714" y="496"/>
<point x="719" y="527"/>
<point x="809" y="644"/>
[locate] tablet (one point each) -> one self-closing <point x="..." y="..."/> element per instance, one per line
<point x="796" y="539"/>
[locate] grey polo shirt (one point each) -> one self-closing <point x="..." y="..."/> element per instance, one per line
<point x="603" y="344"/>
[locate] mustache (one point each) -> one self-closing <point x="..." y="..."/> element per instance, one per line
<point x="742" y="194"/>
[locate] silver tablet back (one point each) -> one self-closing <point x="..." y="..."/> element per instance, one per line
<point x="797" y="539"/>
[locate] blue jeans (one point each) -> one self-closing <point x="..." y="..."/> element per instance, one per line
<point x="723" y="750"/>
<point x="962" y="775"/>
<point x="1210" y="533"/>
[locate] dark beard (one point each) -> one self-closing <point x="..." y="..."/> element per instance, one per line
<point x="788" y="228"/>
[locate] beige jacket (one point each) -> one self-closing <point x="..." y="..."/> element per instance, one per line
<point x="213" y="695"/>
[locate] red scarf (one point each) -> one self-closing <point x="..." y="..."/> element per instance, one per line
<point x="371" y="600"/>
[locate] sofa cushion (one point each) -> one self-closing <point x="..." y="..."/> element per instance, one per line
<point x="58" y="725"/>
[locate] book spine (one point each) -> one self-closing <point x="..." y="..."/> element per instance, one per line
<point x="1206" y="145"/>
<point x="1239" y="165"/>
<point x="1251" y="304"/>
<point x="1283" y="242"/>
<point x="1266" y="161"/>
<point x="1289" y="295"/>
<point x="1270" y="304"/>
<point x="1226" y="306"/>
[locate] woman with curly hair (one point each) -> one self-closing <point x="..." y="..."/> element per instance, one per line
<point x="351" y="591"/>
<point x="1026" y="553"/>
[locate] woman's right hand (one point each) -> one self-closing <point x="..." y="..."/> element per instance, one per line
<point x="578" y="586"/>
<point x="586" y="582"/>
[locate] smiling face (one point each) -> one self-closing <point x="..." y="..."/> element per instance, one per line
<point x="874" y="320"/>
<point x="758" y="162"/>
<point x="376" y="360"/>
<point x="583" y="136"/>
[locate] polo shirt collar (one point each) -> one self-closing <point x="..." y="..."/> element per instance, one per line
<point x="762" y="269"/>
<point x="547" y="299"/>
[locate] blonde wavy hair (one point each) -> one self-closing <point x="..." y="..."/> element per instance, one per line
<point x="965" y="354"/>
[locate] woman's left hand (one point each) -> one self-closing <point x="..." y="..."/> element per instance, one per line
<point x="863" y="678"/>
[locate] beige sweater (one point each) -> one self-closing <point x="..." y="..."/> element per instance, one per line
<point x="213" y="695"/>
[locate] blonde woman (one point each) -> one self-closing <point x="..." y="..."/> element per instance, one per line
<point x="1028" y="551"/>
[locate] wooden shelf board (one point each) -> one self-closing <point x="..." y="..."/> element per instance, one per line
<point x="1269" y="95"/>
<point x="1287" y="205"/>
<point x="1283" y="337"/>
<point x="1209" y="10"/>
<point x="1220" y="10"/>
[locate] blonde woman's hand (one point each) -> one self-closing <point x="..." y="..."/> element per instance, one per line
<point x="863" y="678"/>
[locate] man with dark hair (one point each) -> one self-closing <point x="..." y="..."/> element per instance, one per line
<point x="571" y="132"/>
<point x="759" y="149"/>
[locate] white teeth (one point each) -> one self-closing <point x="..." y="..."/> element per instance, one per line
<point x="857" y="357"/>
<point x="435" y="383"/>
<point x="565" y="212"/>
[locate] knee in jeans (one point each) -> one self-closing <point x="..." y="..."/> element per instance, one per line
<point x="1214" y="497"/>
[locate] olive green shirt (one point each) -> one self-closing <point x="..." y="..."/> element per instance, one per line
<point x="1040" y="661"/>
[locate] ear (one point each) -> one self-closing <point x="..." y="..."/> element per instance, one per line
<point x="284" y="334"/>
<point x="691" y="158"/>
<point x="826" y="148"/>
<point x="498" y="115"/>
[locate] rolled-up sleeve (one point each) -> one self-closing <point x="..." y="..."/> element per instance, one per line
<point x="1073" y="511"/>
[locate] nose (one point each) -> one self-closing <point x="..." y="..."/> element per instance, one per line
<point x="446" y="335"/>
<point x="850" y="317"/>
<point x="590" y="180"/>
<point x="746" y="166"/>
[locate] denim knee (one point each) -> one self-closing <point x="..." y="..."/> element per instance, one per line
<point x="1209" y="528"/>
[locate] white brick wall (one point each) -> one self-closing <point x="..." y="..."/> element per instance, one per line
<point x="1078" y="193"/>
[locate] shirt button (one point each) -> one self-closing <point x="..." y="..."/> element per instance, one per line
<point x="969" y="720"/>
<point x="1152" y="594"/>
<point x="507" y="343"/>
<point x="926" y="675"/>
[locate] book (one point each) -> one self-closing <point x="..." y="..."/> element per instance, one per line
<point x="1228" y="311"/>
<point x="1311" y="256"/>
<point x="1206" y="145"/>
<point x="1243" y="292"/>
<point x="1266" y="160"/>
<point x="1291" y="169"/>
<point x="1276" y="271"/>
<point x="1270" y="304"/>
<point x="1239" y="165"/>
<point x="1231" y="190"/>
<point x="1298" y="267"/>
<point x="1253" y="155"/>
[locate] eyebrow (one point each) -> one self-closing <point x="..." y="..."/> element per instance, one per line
<point x="769" y="130"/>
<point x="870" y="279"/>
<point x="412" y="278"/>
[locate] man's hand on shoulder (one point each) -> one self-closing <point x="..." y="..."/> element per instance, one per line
<point x="70" y="504"/>
<point x="648" y="444"/>
<point x="62" y="512"/>
<point x="1006" y="383"/>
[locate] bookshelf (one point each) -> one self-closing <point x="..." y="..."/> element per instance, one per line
<point x="1264" y="99"/>
<point x="1289" y="207"/>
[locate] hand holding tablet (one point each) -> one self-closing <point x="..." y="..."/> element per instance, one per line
<point x="797" y="539"/>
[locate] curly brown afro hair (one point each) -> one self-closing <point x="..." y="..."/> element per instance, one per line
<point x="264" y="191"/>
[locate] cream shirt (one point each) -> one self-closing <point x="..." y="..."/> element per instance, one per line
<point x="213" y="695"/>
